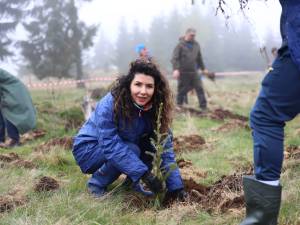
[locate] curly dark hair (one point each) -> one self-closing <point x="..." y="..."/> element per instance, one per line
<point x="123" y="105"/>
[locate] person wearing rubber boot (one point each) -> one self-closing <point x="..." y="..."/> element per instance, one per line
<point x="278" y="102"/>
<point x="114" y="140"/>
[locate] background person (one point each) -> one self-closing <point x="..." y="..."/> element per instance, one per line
<point x="17" y="113"/>
<point x="186" y="61"/>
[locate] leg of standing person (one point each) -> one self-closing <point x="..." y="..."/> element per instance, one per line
<point x="13" y="134"/>
<point x="184" y="83"/>
<point x="197" y="84"/>
<point x="278" y="102"/>
<point x="2" y="129"/>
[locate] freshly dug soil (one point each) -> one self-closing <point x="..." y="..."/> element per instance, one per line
<point x="231" y="125"/>
<point x="222" y="114"/>
<point x="188" y="143"/>
<point x="46" y="184"/>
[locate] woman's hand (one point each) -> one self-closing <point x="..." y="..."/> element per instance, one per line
<point x="152" y="182"/>
<point x="178" y="194"/>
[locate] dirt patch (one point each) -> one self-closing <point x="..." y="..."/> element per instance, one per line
<point x="64" y="142"/>
<point x="222" y="196"/>
<point x="191" y="185"/>
<point x="9" y="157"/>
<point x="188" y="171"/>
<point x="188" y="143"/>
<point x="222" y="114"/>
<point x="225" y="194"/>
<point x="11" y="201"/>
<point x="33" y="135"/>
<point x="231" y="125"/>
<point x="292" y="152"/>
<point x="15" y="160"/>
<point x="46" y="184"/>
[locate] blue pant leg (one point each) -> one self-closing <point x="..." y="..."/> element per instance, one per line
<point x="2" y="128"/>
<point x="104" y="176"/>
<point x="107" y="173"/>
<point x="89" y="156"/>
<point x="278" y="102"/>
<point x="12" y="131"/>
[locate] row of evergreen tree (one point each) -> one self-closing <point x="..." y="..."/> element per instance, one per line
<point x="56" y="36"/>
<point x="226" y="45"/>
<point x="57" y="39"/>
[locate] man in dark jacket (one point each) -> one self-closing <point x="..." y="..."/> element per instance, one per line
<point x="278" y="102"/>
<point x="17" y="113"/>
<point x="186" y="61"/>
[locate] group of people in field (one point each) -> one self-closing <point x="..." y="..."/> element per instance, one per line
<point x="116" y="138"/>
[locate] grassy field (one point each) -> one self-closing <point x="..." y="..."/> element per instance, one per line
<point x="227" y="150"/>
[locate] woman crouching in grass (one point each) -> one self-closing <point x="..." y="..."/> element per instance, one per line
<point x="114" y="140"/>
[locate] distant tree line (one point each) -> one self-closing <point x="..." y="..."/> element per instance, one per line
<point x="224" y="48"/>
<point x="57" y="39"/>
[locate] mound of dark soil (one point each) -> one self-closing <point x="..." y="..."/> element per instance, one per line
<point x="9" y="157"/>
<point x="46" y="184"/>
<point x="221" y="114"/>
<point x="231" y="125"/>
<point x="64" y="142"/>
<point x="223" y="195"/>
<point x="188" y="143"/>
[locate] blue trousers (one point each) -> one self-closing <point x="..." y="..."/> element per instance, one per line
<point x="12" y="131"/>
<point x="278" y="102"/>
<point x="107" y="173"/>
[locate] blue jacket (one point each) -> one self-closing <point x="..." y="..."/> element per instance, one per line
<point x="290" y="27"/>
<point x="101" y="128"/>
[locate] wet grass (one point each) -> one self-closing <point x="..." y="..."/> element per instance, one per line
<point x="223" y="154"/>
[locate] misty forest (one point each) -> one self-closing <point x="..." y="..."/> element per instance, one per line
<point x="80" y="144"/>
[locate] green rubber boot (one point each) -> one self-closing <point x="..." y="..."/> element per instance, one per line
<point x="262" y="202"/>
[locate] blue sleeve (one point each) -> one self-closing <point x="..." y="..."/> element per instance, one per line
<point x="174" y="180"/>
<point x="115" y="149"/>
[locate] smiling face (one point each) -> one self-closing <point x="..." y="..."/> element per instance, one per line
<point x="142" y="88"/>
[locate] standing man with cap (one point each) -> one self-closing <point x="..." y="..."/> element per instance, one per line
<point x="17" y="113"/>
<point x="186" y="61"/>
<point x="278" y="102"/>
